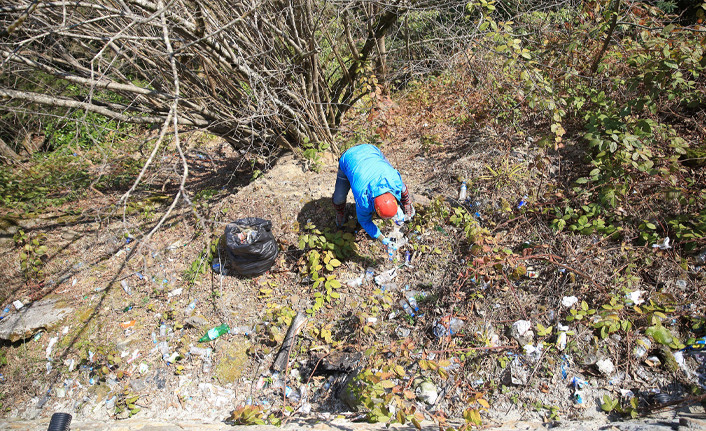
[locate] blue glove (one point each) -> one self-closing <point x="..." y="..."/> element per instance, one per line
<point x="385" y="241"/>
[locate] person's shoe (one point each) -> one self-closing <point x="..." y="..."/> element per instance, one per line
<point x="340" y="214"/>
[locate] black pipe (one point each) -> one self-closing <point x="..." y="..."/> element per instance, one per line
<point x="59" y="422"/>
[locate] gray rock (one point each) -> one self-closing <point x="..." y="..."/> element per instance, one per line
<point x="31" y="318"/>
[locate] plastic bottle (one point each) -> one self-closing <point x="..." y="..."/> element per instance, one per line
<point x="463" y="192"/>
<point x="455" y="325"/>
<point x="203" y="353"/>
<point x="391" y="252"/>
<point x="407" y="257"/>
<point x="5" y="312"/>
<point x="406" y="307"/>
<point x="412" y="301"/>
<point x="126" y="287"/>
<point x="214" y="333"/>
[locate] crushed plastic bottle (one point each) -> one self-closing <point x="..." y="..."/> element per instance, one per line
<point x="386" y="276"/>
<point x="126" y="287"/>
<point x="5" y="312"/>
<point x="214" y="333"/>
<point x="454" y="326"/>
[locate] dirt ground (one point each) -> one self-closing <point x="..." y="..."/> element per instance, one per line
<point x="129" y="351"/>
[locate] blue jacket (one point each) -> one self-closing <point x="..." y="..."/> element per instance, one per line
<point x="370" y="175"/>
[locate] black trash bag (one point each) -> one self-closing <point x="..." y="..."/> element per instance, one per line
<point x="251" y="248"/>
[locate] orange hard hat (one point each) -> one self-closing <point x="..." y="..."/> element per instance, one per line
<point x="386" y="205"/>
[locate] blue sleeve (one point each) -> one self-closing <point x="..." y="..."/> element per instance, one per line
<point x="365" y="218"/>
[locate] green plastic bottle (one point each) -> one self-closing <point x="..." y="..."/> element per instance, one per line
<point x="214" y="333"/>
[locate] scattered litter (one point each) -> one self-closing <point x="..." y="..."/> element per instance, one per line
<point x="18" y="304"/>
<point x="441" y="330"/>
<point x="578" y="383"/>
<point x="406" y="307"/>
<point x="642" y="346"/>
<point x="175" y="292"/>
<point x="663" y="245"/>
<point x="126" y="287"/>
<point x="681" y="284"/>
<point x="127" y="324"/>
<point x="386" y="276"/>
<point x="143" y="368"/>
<point x="402" y="332"/>
<point x="532" y="352"/>
<point x="532" y="272"/>
<point x="626" y="394"/>
<point x="561" y="341"/>
<point x="135" y="355"/>
<point x="52" y="341"/>
<point x="569" y="301"/>
<point x="214" y="333"/>
<point x="605" y="366"/>
<point x="521" y="332"/>
<point x="356" y="282"/>
<point x="635" y="297"/>
<point x="653" y="361"/>
<point x="516" y="373"/>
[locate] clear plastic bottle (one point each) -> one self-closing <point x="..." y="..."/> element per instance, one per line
<point x="412" y="301"/>
<point x="405" y="306"/>
<point x="462" y="194"/>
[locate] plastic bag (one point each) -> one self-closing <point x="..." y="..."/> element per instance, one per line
<point x="250" y="246"/>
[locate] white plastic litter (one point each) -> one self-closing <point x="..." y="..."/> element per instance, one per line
<point x="636" y="297"/>
<point x="561" y="341"/>
<point x="663" y="245"/>
<point x="569" y="301"/>
<point x="605" y="366"/>
<point x="52" y="341"/>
